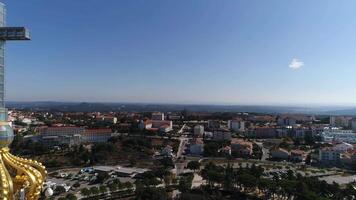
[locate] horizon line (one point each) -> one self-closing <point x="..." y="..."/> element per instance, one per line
<point x="195" y="103"/>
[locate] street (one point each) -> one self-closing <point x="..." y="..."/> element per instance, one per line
<point x="265" y="151"/>
<point x="183" y="141"/>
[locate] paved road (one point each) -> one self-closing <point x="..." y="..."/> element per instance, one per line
<point x="238" y="160"/>
<point x="265" y="151"/>
<point x="182" y="144"/>
<point x="182" y="129"/>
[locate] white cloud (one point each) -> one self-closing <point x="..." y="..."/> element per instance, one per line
<point x="296" y="64"/>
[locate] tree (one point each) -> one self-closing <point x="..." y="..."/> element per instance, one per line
<point x="139" y="189"/>
<point x="190" y="196"/>
<point x="308" y="159"/>
<point x="94" y="190"/>
<point x="159" y="172"/>
<point x="127" y="185"/>
<point x="76" y="184"/>
<point x="60" y="189"/>
<point x="193" y="165"/>
<point x="211" y="149"/>
<point x="79" y="155"/>
<point x="152" y="193"/>
<point x="286" y="185"/>
<point x="308" y="139"/>
<point x="103" y="189"/>
<point x="102" y="176"/>
<point x="247" y="181"/>
<point x="168" y="177"/>
<point x="149" y="179"/>
<point x="71" y="197"/>
<point x="101" y="152"/>
<point x="167" y="162"/>
<point x="112" y="187"/>
<point x="264" y="185"/>
<point x="132" y="161"/>
<point x="85" y="192"/>
<point x="256" y="171"/>
<point x="228" y="177"/>
<point x="185" y="183"/>
<point x="116" y="181"/>
<point x="213" y="174"/>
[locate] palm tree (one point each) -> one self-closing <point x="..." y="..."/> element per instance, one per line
<point x="228" y="177"/>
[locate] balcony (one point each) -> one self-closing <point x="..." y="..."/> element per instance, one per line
<point x="14" y="33"/>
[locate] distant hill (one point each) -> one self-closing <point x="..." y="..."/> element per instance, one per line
<point x="351" y="111"/>
<point x="143" y="107"/>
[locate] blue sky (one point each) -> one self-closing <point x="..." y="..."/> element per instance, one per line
<point x="220" y="52"/>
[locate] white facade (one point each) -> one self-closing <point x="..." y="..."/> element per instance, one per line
<point x="196" y="149"/>
<point x="286" y="121"/>
<point x="208" y="134"/>
<point x="179" y="168"/>
<point x="329" y="154"/>
<point x="161" y="125"/>
<point x="339" y="121"/>
<point x="214" y="124"/>
<point x="165" y="129"/>
<point x="299" y="133"/>
<point x="236" y="125"/>
<point x="338" y="135"/>
<point x="221" y="135"/>
<point x="198" y="130"/>
<point x="158" y="116"/>
<point x="26" y="121"/>
<point x="143" y="125"/>
<point x="282" y="132"/>
<point x="353" y="124"/>
<point x="343" y="147"/>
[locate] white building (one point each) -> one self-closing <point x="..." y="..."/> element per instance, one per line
<point x="26" y="121"/>
<point x="156" y="125"/>
<point x="343" y="147"/>
<point x="197" y="147"/>
<point x="236" y="125"/>
<point x="123" y="171"/>
<point x="157" y="116"/>
<point x="214" y="124"/>
<point x="353" y="124"/>
<point x="208" y="134"/>
<point x="198" y="130"/>
<point x="283" y="132"/>
<point x="300" y="132"/>
<point x="340" y="121"/>
<point x="338" y="135"/>
<point x="221" y="135"/>
<point x="286" y="121"/>
<point x="329" y="154"/>
<point x="174" y="117"/>
<point x="179" y="168"/>
<point x="297" y="155"/>
<point x="167" y="151"/>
